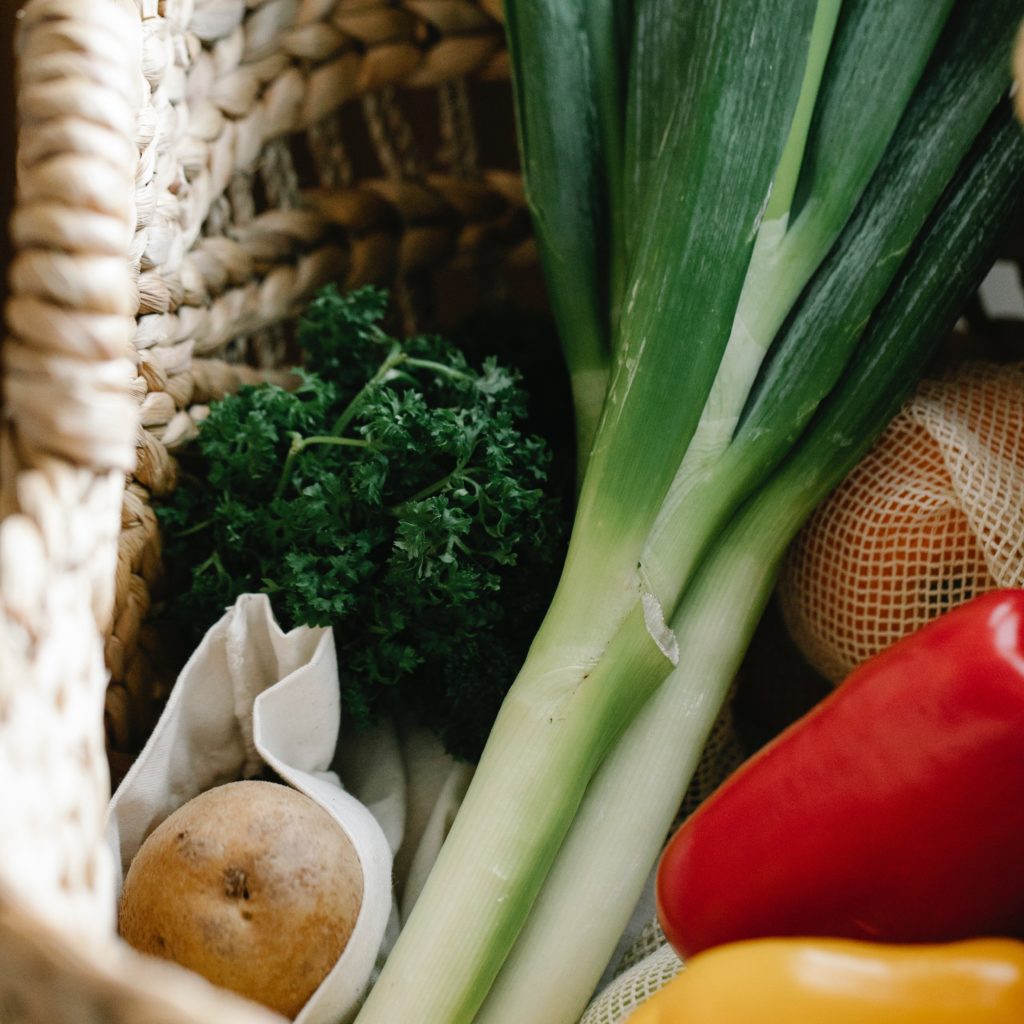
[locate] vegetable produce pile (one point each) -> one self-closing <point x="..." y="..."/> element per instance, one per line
<point x="886" y="816"/>
<point x="391" y="495"/>
<point x="756" y="221"/>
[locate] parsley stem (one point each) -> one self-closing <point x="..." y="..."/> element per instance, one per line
<point x="347" y="442"/>
<point x="431" y="489"/>
<point x="194" y="528"/>
<point x="396" y="357"/>
<point x="441" y="368"/>
<point x="426" y="492"/>
<point x="213" y="562"/>
<point x="299" y="444"/>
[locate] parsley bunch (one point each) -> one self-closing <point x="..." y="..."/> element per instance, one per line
<point x="393" y="496"/>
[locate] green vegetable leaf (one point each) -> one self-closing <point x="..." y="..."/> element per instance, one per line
<point x="393" y="496"/>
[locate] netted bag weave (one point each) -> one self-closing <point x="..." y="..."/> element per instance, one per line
<point x="933" y="515"/>
<point x="634" y="986"/>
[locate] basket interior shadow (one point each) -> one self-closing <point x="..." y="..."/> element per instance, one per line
<point x="293" y="145"/>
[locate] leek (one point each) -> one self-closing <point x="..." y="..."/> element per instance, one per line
<point x="785" y="183"/>
<point x="937" y="129"/>
<point x="558" y="718"/>
<point x="567" y="152"/>
<point x="877" y="56"/>
<point x="589" y="895"/>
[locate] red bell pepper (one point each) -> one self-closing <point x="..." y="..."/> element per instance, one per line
<point x="893" y="811"/>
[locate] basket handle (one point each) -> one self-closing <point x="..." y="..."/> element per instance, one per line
<point x="67" y="439"/>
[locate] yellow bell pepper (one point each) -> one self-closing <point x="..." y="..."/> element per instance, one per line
<point x="837" y="981"/>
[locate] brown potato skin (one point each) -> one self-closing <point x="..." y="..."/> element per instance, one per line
<point x="252" y="885"/>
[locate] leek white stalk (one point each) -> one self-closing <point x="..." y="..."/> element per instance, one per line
<point x="564" y="711"/>
<point x="622" y="823"/>
<point x="605" y="648"/>
<point x="592" y="887"/>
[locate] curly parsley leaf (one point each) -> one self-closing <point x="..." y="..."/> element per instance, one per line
<point x="392" y="495"/>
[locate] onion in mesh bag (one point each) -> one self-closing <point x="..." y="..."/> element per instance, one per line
<point x="933" y="515"/>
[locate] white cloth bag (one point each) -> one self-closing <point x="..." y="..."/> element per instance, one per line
<point x="252" y="695"/>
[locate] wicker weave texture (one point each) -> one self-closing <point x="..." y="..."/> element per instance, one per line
<point x="281" y="146"/>
<point x="68" y="439"/>
<point x="188" y="174"/>
<point x="45" y="979"/>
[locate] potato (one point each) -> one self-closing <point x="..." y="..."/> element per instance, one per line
<point x="252" y="885"/>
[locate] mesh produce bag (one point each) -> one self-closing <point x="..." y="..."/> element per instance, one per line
<point x="933" y="515"/>
<point x="635" y="985"/>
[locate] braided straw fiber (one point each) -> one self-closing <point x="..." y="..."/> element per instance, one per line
<point x="68" y="438"/>
<point x="284" y="144"/>
<point x="187" y="177"/>
<point x="45" y="978"/>
<point x="189" y="173"/>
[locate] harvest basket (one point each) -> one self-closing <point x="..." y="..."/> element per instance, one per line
<point x="189" y="172"/>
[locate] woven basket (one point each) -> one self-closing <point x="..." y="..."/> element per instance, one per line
<point x="189" y="172"/>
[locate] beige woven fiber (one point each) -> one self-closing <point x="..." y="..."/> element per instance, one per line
<point x="46" y="978"/>
<point x="189" y="172"/>
<point x="282" y="144"/>
<point x="68" y="438"/>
